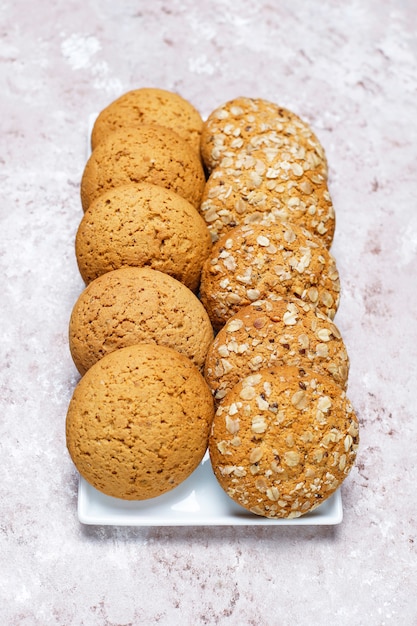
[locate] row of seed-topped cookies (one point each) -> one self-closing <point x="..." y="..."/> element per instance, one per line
<point x="139" y="419"/>
<point x="284" y="436"/>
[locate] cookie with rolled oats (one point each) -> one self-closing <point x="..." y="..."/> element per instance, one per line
<point x="283" y="440"/>
<point x="267" y="334"/>
<point x="267" y="185"/>
<point x="256" y="262"/>
<point x="247" y="124"/>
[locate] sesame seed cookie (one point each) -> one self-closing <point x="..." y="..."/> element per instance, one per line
<point x="283" y="440"/>
<point x="150" y="153"/>
<point x="267" y="186"/>
<point x="140" y="225"/>
<point x="150" y="106"/>
<point x="137" y="305"/>
<point x="246" y="124"/>
<point x="257" y="262"/>
<point x="267" y="334"/>
<point x="138" y="422"/>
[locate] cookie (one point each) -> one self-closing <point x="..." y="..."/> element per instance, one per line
<point x="150" y="153"/>
<point x="268" y="334"/>
<point x="283" y="440"/>
<point x="138" y="422"/>
<point x="246" y="124"/>
<point x="137" y="305"/>
<point x="150" y="106"/>
<point x="140" y="225"/>
<point x="257" y="262"/>
<point x="267" y="185"/>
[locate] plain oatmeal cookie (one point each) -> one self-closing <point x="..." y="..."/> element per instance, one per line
<point x="137" y="305"/>
<point x="138" y="422"/>
<point x="267" y="185"/>
<point x="142" y="225"/>
<point x="149" y="153"/>
<point x="149" y="105"/>
<point x="267" y="334"/>
<point x="247" y="124"/>
<point x="257" y="262"/>
<point x="283" y="440"/>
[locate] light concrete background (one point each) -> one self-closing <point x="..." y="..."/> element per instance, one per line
<point x="349" y="68"/>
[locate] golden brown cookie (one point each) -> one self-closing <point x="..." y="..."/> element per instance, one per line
<point x="138" y="422"/>
<point x="150" y="106"/>
<point x="140" y="225"/>
<point x="268" y="334"/>
<point x="150" y="153"/>
<point x="257" y="262"/>
<point x="283" y="440"/>
<point x="137" y="305"/>
<point x="267" y="185"/>
<point x="247" y="124"/>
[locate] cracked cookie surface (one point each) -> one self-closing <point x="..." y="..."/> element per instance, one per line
<point x="137" y="305"/>
<point x="138" y="422"/>
<point x="149" y="106"/>
<point x="150" y="153"/>
<point x="140" y="225"/>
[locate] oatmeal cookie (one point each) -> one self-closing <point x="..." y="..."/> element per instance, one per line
<point x="246" y="124"/>
<point x="150" y="106"/>
<point x="137" y="305"/>
<point x="267" y="186"/>
<point x="142" y="225"/>
<point x="138" y="422"/>
<point x="257" y="262"/>
<point x="268" y="334"/>
<point x="149" y="153"/>
<point x="283" y="440"/>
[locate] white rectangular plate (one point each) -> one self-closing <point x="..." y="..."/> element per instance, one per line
<point x="198" y="501"/>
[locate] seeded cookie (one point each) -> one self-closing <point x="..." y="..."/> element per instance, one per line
<point x="247" y="124"/>
<point x="267" y="334"/>
<point x="150" y="106"/>
<point x="283" y="440"/>
<point x="137" y="305"/>
<point x="267" y="185"/>
<point x="257" y="262"/>
<point x="138" y="422"/>
<point x="139" y="225"/>
<point x="150" y="153"/>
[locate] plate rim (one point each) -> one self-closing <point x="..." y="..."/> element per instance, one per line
<point x="88" y="518"/>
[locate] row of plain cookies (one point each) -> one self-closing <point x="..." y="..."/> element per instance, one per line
<point x="284" y="436"/>
<point x="139" y="419"/>
<point x="145" y="147"/>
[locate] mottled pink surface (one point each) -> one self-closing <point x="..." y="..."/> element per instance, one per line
<point x="351" y="70"/>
